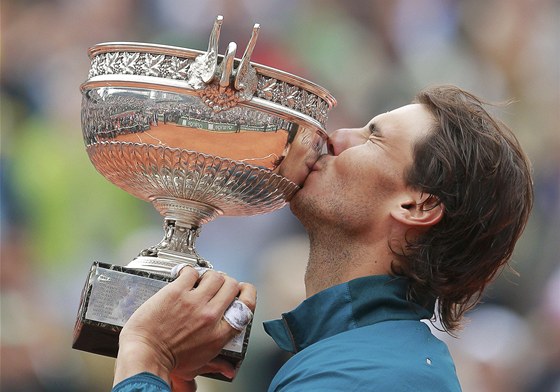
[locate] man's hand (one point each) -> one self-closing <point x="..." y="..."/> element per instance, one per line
<point x="181" y="329"/>
<point x="186" y="383"/>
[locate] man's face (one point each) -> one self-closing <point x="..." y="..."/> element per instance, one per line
<point x="363" y="176"/>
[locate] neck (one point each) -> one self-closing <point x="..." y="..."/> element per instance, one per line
<point x="336" y="258"/>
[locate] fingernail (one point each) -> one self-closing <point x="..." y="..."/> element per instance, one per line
<point x="176" y="270"/>
<point x="201" y="270"/>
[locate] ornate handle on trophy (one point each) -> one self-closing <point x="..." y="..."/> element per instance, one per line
<point x="246" y="76"/>
<point x="211" y="59"/>
<point x="227" y="65"/>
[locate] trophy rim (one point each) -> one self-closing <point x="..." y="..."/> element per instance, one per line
<point x="170" y="50"/>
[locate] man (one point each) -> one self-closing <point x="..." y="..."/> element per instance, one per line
<point x="410" y="216"/>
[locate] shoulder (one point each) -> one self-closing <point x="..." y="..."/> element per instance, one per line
<point x="392" y="355"/>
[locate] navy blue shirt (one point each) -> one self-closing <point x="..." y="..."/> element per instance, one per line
<point x="362" y="335"/>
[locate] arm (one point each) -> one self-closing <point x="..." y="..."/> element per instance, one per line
<point x="176" y="333"/>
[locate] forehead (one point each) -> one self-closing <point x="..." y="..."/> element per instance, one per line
<point x="409" y="122"/>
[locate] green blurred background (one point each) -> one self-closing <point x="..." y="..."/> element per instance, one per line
<point x="58" y="215"/>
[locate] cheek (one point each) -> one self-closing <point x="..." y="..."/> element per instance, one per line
<point x="367" y="176"/>
<point x="353" y="163"/>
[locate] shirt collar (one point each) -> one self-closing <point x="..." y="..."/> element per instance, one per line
<point x="357" y="303"/>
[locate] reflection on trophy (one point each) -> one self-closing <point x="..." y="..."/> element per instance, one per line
<point x="198" y="135"/>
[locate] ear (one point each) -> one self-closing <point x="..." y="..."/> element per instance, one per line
<point x="419" y="210"/>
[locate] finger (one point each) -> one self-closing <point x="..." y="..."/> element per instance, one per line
<point x="240" y="312"/>
<point x="248" y="295"/>
<point x="225" y="295"/>
<point x="181" y="385"/>
<point x="238" y="315"/>
<point x="210" y="283"/>
<point x="218" y="365"/>
<point x="187" y="278"/>
<point x="201" y="270"/>
<point x="176" y="269"/>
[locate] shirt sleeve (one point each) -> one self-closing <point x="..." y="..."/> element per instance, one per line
<point x="142" y="382"/>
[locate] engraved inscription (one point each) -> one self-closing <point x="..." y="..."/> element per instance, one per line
<point x="236" y="344"/>
<point x="116" y="295"/>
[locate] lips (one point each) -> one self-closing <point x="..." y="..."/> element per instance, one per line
<point x="311" y="166"/>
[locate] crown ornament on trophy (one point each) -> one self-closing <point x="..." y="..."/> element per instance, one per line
<point x="198" y="135"/>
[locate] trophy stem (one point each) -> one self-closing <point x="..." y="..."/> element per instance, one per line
<point x="183" y="219"/>
<point x="188" y="213"/>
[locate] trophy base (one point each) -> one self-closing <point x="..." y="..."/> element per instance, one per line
<point x="110" y="296"/>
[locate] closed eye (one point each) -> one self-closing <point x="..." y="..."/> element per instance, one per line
<point x="375" y="133"/>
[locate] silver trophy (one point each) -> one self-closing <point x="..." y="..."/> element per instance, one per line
<point x="198" y="135"/>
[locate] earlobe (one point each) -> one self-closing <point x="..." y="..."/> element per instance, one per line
<point x="425" y="211"/>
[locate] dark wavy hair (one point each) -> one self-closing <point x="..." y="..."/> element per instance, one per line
<point x="474" y="166"/>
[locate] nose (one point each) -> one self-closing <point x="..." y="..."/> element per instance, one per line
<point x="344" y="138"/>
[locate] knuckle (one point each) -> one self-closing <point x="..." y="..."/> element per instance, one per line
<point x="249" y="295"/>
<point x="209" y="316"/>
<point x="231" y="281"/>
<point x="251" y="303"/>
<point x="217" y="276"/>
<point x="174" y="291"/>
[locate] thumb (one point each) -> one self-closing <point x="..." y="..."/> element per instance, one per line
<point x="218" y="365"/>
<point x="181" y="385"/>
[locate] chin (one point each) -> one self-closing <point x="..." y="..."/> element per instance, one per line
<point x="296" y="201"/>
<point x="303" y="203"/>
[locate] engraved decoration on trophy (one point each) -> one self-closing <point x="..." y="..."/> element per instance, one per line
<point x="198" y="135"/>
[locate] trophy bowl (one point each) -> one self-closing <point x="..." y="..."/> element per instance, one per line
<point x="198" y="135"/>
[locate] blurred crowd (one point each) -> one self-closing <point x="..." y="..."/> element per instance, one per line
<point x="58" y="215"/>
